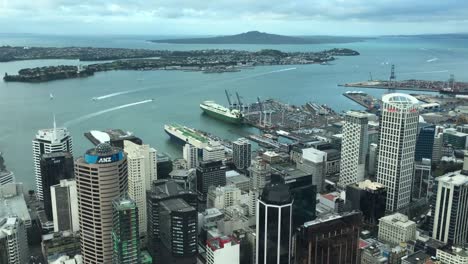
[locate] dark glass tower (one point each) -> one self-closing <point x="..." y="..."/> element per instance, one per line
<point x="125" y="235"/>
<point x="162" y="191"/>
<point x="331" y="239"/>
<point x="209" y="173"/>
<point x="369" y="198"/>
<point x="424" y="142"/>
<point x="55" y="166"/>
<point x="178" y="222"/>
<point x="274" y="224"/>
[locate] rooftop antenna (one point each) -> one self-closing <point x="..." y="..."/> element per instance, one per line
<point x="55" y="129"/>
<point x="392" y="79"/>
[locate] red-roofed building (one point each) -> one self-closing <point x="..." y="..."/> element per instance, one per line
<point x="222" y="250"/>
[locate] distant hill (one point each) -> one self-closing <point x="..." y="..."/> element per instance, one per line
<point x="256" y="37"/>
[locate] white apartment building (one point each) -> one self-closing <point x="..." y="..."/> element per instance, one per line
<point x="142" y="171"/>
<point x="190" y="155"/>
<point x="354" y="148"/>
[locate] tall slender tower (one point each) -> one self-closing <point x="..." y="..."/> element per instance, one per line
<point x="354" y="148"/>
<point x="274" y="225"/>
<point x="55" y="166"/>
<point x="450" y="207"/>
<point x="190" y="154"/>
<point x="142" y="172"/>
<point x="125" y="236"/>
<point x="398" y="129"/>
<point x="241" y="153"/>
<point x="48" y="141"/>
<point x="13" y="241"/>
<point x="101" y="177"/>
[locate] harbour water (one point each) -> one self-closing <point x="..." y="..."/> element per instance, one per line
<point x="27" y="107"/>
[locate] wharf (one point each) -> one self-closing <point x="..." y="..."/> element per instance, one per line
<point x="413" y="85"/>
<point x="371" y="103"/>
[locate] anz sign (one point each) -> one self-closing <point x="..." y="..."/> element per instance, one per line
<point x="104" y="160"/>
<point x="94" y="159"/>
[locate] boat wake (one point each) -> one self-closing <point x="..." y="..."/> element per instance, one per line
<point x="89" y="116"/>
<point x="432" y="60"/>
<point x="424" y="72"/>
<point x="264" y="73"/>
<point x="117" y="94"/>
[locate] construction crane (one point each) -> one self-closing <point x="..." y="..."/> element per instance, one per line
<point x="261" y="110"/>
<point x="228" y="98"/>
<point x="239" y="103"/>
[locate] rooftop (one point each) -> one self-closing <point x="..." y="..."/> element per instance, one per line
<point x="328" y="217"/>
<point x="103" y="149"/>
<point x="456" y="178"/>
<point x="12" y="202"/>
<point x="399" y="99"/>
<point x="165" y="188"/>
<point x="124" y="203"/>
<point x="176" y="205"/>
<point x="357" y="114"/>
<point x="398" y="219"/>
<point x="277" y="193"/>
<point x="219" y="242"/>
<point x="417" y="257"/>
<point x="369" y="185"/>
<point x="52" y="135"/>
<point x="8" y="226"/>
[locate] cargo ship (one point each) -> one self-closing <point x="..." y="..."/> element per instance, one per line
<point x="222" y="113"/>
<point x="183" y="134"/>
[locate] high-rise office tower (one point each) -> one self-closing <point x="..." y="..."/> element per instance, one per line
<point x="369" y="198"/>
<point x="179" y="232"/>
<point x="421" y="179"/>
<point x="438" y="144"/>
<point x="373" y="157"/>
<point x="163" y="190"/>
<point x="241" y="153"/>
<point x="260" y="174"/>
<point x="450" y="210"/>
<point x="398" y="128"/>
<point x="210" y="173"/>
<point x="142" y="171"/>
<point x="274" y="225"/>
<point x="329" y="239"/>
<point x="214" y="151"/>
<point x="5" y="175"/>
<point x="190" y="154"/>
<point x="125" y="234"/>
<point x="424" y="141"/>
<point x="13" y="241"/>
<point x="354" y="148"/>
<point x="48" y="141"/>
<point x="55" y="166"/>
<point x="164" y="166"/>
<point x="64" y="199"/>
<point x="101" y="176"/>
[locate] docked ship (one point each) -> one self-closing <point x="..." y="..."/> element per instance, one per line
<point x="220" y="112"/>
<point x="183" y="134"/>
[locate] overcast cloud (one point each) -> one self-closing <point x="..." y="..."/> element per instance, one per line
<point x="202" y="17"/>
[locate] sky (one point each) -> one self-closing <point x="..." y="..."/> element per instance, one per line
<point x="224" y="17"/>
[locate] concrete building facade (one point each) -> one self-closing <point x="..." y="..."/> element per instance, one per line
<point x="354" y="148"/>
<point x="101" y="176"/>
<point x="398" y="129"/>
